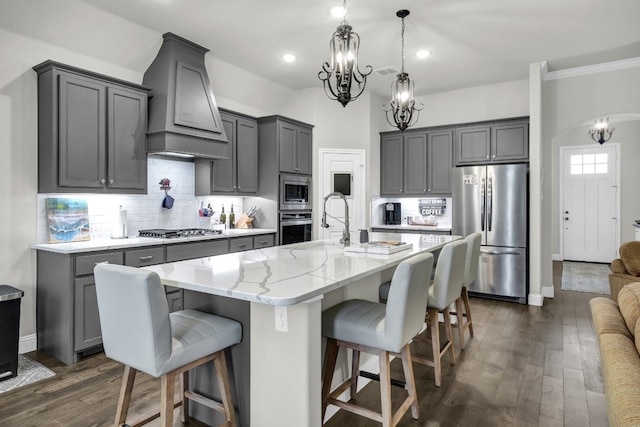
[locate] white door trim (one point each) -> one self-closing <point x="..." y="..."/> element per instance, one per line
<point x="322" y="175"/>
<point x="564" y="148"/>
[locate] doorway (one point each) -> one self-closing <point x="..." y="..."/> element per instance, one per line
<point x="590" y="202"/>
<point x="342" y="170"/>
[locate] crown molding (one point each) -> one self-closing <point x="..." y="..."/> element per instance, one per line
<point x="590" y="69"/>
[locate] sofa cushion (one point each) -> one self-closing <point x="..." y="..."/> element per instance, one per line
<point x="629" y="302"/>
<point x="617" y="266"/>
<point x="607" y="318"/>
<point x="630" y="256"/>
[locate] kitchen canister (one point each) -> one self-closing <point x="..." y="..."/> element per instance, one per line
<point x="364" y="236"/>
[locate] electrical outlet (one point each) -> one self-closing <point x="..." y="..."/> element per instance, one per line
<point x="281" y="319"/>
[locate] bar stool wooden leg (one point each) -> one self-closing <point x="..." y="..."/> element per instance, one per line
<point x="410" y="381"/>
<point x="220" y="363"/>
<point x="449" y="333"/>
<point x="184" y="386"/>
<point x="467" y="310"/>
<point x="460" y="321"/>
<point x="385" y="388"/>
<point x="330" y="358"/>
<point x="167" y="391"/>
<point x="126" y="389"/>
<point x="435" y="345"/>
<point x="355" y="373"/>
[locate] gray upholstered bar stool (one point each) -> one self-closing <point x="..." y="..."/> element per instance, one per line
<point x="138" y="331"/>
<point x="445" y="289"/>
<point x="379" y="329"/>
<point x="463" y="317"/>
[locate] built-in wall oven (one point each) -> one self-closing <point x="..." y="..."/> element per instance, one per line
<point x="295" y="192"/>
<point x="295" y="227"/>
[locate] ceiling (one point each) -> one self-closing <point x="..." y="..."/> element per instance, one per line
<point x="473" y="42"/>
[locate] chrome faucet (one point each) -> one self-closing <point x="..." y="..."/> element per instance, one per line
<point x="346" y="235"/>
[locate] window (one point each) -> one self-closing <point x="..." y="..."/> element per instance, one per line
<point x="342" y="183"/>
<point x="582" y="164"/>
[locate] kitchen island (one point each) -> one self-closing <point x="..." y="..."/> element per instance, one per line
<point x="278" y="294"/>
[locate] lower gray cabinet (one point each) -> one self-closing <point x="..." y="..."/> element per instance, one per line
<point x="86" y="318"/>
<point x="67" y="318"/>
<point x="239" y="244"/>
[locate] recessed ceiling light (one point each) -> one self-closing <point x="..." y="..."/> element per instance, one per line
<point x="337" y="12"/>
<point x="423" y="53"/>
<point x="289" y="57"/>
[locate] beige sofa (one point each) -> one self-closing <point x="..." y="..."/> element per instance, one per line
<point x="617" y="327"/>
<point x="626" y="269"/>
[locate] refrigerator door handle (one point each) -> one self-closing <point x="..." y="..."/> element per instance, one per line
<point x="490" y="204"/>
<point x="482" y="205"/>
<point x="506" y="252"/>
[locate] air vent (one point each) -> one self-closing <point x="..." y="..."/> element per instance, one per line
<point x="387" y="70"/>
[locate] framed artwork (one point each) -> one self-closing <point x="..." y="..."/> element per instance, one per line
<point x="67" y="220"/>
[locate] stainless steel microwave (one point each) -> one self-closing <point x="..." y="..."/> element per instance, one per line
<point x="295" y="192"/>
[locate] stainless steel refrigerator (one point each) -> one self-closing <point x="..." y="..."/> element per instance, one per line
<point x="494" y="201"/>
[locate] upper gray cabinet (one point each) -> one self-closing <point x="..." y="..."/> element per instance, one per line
<point x="91" y="132"/>
<point x="416" y="163"/>
<point x="293" y="140"/>
<point x="497" y="142"/>
<point x="239" y="173"/>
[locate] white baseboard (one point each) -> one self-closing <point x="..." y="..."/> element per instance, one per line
<point x="536" y="299"/>
<point x="548" y="292"/>
<point x="27" y="343"/>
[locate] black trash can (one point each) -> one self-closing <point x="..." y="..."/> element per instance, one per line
<point x="9" y="330"/>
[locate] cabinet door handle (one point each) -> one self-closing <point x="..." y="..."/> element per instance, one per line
<point x="103" y="181"/>
<point x="111" y="181"/>
<point x="146" y="258"/>
<point x="263" y="242"/>
<point x="242" y="245"/>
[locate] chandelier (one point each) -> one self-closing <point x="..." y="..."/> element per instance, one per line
<point x="343" y="66"/>
<point x="402" y="106"/>
<point x="599" y="130"/>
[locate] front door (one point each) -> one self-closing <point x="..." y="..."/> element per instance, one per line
<point x="589" y="203"/>
<point x="341" y="171"/>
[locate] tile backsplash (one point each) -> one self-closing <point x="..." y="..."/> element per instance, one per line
<point x="410" y="208"/>
<point x="145" y="211"/>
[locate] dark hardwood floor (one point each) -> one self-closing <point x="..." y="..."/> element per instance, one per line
<point x="525" y="366"/>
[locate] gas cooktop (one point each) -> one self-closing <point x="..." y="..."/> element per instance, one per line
<point x="183" y="232"/>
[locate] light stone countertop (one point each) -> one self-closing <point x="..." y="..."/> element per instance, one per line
<point x="402" y="227"/>
<point x="132" y="242"/>
<point x="289" y="274"/>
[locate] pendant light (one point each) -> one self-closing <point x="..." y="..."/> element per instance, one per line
<point x="599" y="130"/>
<point x="348" y="81"/>
<point x="402" y="108"/>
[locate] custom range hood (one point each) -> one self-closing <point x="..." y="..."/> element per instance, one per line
<point x="183" y="116"/>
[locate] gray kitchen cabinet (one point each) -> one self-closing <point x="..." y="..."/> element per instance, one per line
<point x="292" y="140"/>
<point x="86" y="318"/>
<point x="144" y="256"/>
<point x="493" y="142"/>
<point x="416" y="163"/>
<point x="391" y="164"/>
<point x="91" y="132"/>
<point x="67" y="319"/>
<point x="263" y="241"/>
<point x="239" y="244"/>
<point x="439" y="162"/>
<point x="510" y="141"/>
<point x="190" y="250"/>
<point x="239" y="173"/>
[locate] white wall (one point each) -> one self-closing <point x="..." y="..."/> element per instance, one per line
<point x="569" y="102"/>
